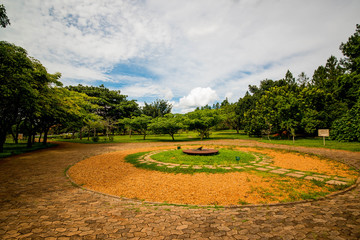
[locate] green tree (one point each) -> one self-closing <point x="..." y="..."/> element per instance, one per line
<point x="202" y="121"/>
<point x="140" y="124"/>
<point x="24" y="84"/>
<point x="4" y="20"/>
<point x="158" y="108"/>
<point x="111" y="103"/>
<point x="347" y="128"/>
<point x="351" y="51"/>
<point x="230" y="117"/>
<point x="169" y="124"/>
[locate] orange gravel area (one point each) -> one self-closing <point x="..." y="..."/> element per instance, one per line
<point x="305" y="162"/>
<point x="110" y="174"/>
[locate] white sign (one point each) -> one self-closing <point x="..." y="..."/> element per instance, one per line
<point x="323" y="132"/>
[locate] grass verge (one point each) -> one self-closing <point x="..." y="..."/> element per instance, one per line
<point x="228" y="134"/>
<point x="11" y="149"/>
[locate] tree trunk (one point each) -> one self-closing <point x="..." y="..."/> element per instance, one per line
<point x="45" y="136"/>
<point x="2" y="141"/>
<point x="144" y="136"/>
<point x="88" y="133"/>
<point x="29" y="142"/>
<point x="40" y="137"/>
<point x="172" y="136"/>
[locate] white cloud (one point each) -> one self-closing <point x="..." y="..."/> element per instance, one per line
<point x="147" y="90"/>
<point x="197" y="97"/>
<point x="217" y="44"/>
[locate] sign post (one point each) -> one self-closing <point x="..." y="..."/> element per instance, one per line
<point x="323" y="133"/>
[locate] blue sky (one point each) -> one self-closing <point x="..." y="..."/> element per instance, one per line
<point x="191" y="53"/>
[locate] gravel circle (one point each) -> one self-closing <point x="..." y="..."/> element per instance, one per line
<point x="110" y="174"/>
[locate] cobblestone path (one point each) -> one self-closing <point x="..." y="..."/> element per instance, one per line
<point x="38" y="202"/>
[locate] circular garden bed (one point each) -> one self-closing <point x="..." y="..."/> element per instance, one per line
<point x="235" y="176"/>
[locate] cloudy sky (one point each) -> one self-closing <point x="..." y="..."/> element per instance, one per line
<point x="191" y="53"/>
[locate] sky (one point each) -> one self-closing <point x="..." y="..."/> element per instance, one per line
<point x="190" y="53"/>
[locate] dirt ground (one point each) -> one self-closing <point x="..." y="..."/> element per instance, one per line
<point x="110" y="174"/>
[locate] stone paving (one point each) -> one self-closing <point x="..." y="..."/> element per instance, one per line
<point x="258" y="164"/>
<point x="37" y="201"/>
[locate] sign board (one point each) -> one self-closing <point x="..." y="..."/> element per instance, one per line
<point x="20" y="136"/>
<point x="323" y="132"/>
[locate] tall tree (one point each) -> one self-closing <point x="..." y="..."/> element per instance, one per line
<point x="169" y="124"/>
<point x="16" y="83"/>
<point x="202" y="121"/>
<point x="4" y="20"/>
<point x="112" y="104"/>
<point x="158" y="108"/>
<point x="351" y="51"/>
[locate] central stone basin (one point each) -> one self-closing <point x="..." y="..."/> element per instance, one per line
<point x="201" y="151"/>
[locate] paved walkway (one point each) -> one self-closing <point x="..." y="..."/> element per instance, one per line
<point x="38" y="202"/>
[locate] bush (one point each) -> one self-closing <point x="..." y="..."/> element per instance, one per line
<point x="347" y="128"/>
<point x="95" y="139"/>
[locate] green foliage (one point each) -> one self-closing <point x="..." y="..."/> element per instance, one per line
<point x="139" y="124"/>
<point x="4" y="20"/>
<point x="111" y="103"/>
<point x="159" y="108"/>
<point x="351" y="51"/>
<point x="202" y="121"/>
<point x="347" y="128"/>
<point x="95" y="138"/>
<point x="24" y="90"/>
<point x="169" y="124"/>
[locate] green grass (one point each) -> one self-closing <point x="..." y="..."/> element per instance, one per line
<point x="224" y="134"/>
<point x="11" y="149"/>
<point x="134" y="159"/>
<point x="225" y="157"/>
<point x="318" y="143"/>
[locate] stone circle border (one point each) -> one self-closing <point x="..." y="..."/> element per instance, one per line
<point x="329" y="196"/>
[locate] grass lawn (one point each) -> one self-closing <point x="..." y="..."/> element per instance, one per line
<point x="227" y="134"/>
<point x="225" y="157"/>
<point x="15" y="149"/>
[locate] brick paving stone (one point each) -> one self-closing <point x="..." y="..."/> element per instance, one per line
<point x="262" y="169"/>
<point x="295" y="175"/>
<point x="283" y="169"/>
<point x="36" y="200"/>
<point x="278" y="171"/>
<point x="336" y="182"/>
<point x="321" y="176"/>
<point x="238" y="167"/>
<point x="314" y="178"/>
<point x="271" y="167"/>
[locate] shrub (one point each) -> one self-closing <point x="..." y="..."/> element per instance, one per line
<point x="347" y="128"/>
<point x="95" y="139"/>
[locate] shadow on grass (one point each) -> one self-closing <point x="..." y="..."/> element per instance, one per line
<point x="11" y="149"/>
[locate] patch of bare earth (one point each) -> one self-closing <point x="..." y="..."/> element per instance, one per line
<point x="110" y="174"/>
